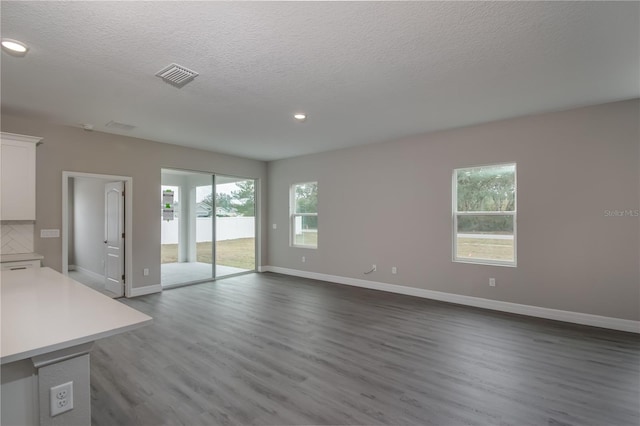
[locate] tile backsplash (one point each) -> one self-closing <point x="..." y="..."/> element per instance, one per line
<point x="17" y="238"/>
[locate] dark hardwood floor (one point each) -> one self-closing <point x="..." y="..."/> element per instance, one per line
<point x="267" y="349"/>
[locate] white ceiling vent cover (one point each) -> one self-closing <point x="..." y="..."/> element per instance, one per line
<point x="176" y="75"/>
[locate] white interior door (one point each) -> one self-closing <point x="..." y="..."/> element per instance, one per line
<point x="114" y="237"/>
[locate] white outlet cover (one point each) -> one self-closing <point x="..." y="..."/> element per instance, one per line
<point x="61" y="398"/>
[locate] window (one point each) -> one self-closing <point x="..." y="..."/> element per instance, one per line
<point x="484" y="215"/>
<point x="304" y="215"/>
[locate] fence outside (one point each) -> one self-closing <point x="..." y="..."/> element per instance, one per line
<point x="227" y="228"/>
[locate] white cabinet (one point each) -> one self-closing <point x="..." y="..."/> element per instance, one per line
<point x="18" y="176"/>
<point x="15" y="266"/>
<point x="17" y="261"/>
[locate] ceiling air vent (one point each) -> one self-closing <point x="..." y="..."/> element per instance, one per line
<point x="176" y="75"/>
<point x="120" y="126"/>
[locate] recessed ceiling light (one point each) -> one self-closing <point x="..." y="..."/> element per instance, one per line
<point x="300" y="116"/>
<point x="14" y="47"/>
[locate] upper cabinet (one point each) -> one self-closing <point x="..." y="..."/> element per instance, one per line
<point x="18" y="176"/>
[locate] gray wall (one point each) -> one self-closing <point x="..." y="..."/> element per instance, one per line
<point x="88" y="224"/>
<point x="72" y="149"/>
<point x="390" y="204"/>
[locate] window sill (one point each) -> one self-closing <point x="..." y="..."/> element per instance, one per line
<point x="486" y="262"/>
<point x="304" y="247"/>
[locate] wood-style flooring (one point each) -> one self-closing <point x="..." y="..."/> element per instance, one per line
<point x="268" y="349"/>
<point x="92" y="282"/>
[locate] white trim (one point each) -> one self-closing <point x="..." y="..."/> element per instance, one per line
<point x="496" y="305"/>
<point x="128" y="222"/>
<point x="149" y="289"/>
<point x="486" y="262"/>
<point x="92" y="274"/>
<point x="487" y="213"/>
<point x="257" y="217"/>
<point x="21" y="138"/>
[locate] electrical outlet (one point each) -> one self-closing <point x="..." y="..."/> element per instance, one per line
<point x="61" y="398"/>
<point x="394" y="270"/>
<point x="145" y="272"/>
<point x="275" y="226"/>
<point x="304" y="259"/>
<point x="492" y="282"/>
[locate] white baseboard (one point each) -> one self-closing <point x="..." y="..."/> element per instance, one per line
<point x="496" y="305"/>
<point x="141" y="291"/>
<point x="92" y="274"/>
<point x="71" y="268"/>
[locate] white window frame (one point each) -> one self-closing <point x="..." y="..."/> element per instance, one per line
<point x="455" y="214"/>
<point x="294" y="215"/>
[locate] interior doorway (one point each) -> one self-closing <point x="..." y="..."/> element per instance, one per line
<point x="96" y="222"/>
<point x="208" y="227"/>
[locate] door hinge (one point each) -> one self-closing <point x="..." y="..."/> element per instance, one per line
<point x="123" y="235"/>
<point x="123" y="278"/>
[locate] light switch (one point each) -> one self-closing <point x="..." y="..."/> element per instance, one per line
<point x="49" y="233"/>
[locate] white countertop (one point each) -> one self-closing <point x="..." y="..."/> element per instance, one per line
<point x="20" y="257"/>
<point x="44" y="311"/>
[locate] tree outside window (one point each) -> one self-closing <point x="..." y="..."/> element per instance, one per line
<point x="484" y="215"/>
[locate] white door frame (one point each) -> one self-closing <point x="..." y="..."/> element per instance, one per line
<point x="128" y="219"/>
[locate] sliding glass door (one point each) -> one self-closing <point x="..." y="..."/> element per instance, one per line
<point x="202" y="222"/>
<point x="206" y="233"/>
<point x="235" y="225"/>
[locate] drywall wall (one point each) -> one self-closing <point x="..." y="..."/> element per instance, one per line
<point x="88" y="224"/>
<point x="67" y="148"/>
<point x="390" y="204"/>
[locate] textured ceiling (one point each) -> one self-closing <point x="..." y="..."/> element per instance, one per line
<point x="364" y="72"/>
